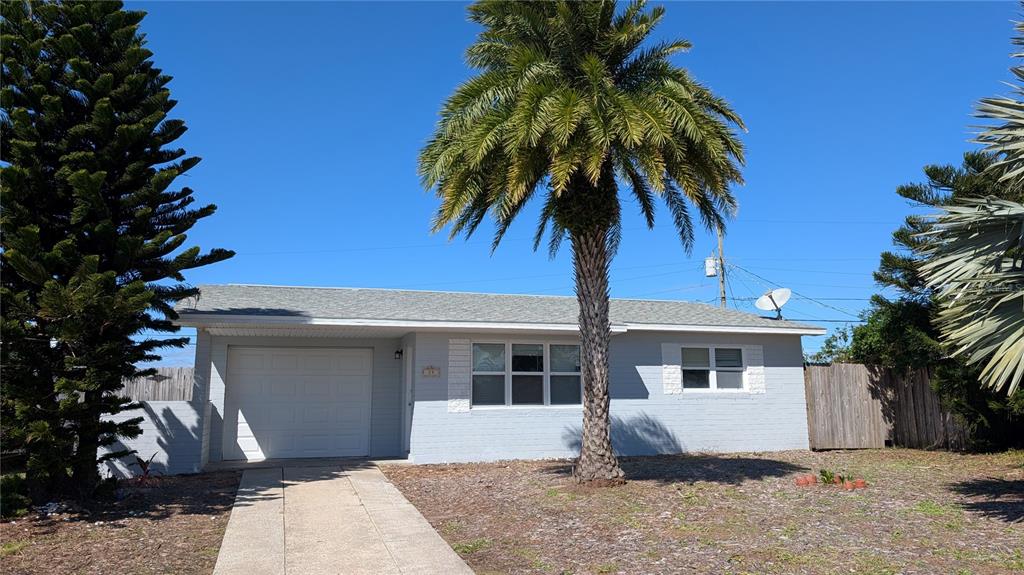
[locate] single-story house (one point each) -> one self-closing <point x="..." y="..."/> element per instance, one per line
<point x="298" y="372"/>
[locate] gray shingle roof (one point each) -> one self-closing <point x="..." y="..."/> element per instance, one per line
<point x="405" y="305"/>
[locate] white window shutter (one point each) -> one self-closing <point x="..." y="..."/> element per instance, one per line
<point x="671" y="373"/>
<point x="460" y="374"/>
<point x="755" y="369"/>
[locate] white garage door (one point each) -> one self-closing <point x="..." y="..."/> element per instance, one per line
<point x="297" y="402"/>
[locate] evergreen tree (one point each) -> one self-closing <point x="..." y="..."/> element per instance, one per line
<point x="902" y="332"/>
<point x="92" y="231"/>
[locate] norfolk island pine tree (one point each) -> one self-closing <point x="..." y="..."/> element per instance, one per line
<point x="569" y="104"/>
<point x="92" y="231"/>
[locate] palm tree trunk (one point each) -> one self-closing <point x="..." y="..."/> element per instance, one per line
<point x="590" y="256"/>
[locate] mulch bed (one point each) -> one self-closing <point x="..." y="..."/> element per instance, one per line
<point x="923" y="512"/>
<point x="175" y="526"/>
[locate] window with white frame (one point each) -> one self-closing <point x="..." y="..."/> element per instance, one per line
<point x="712" y="368"/>
<point x="526" y="373"/>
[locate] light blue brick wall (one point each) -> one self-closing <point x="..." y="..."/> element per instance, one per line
<point x="186" y="435"/>
<point x="171" y="430"/>
<point x="645" y="419"/>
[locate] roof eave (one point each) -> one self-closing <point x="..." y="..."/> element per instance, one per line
<point x="201" y="320"/>
<point x="766" y="329"/>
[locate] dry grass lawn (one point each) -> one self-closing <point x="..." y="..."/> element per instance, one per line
<point x="173" y="528"/>
<point x="924" y="512"/>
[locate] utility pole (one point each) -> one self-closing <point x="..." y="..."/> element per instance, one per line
<point x="721" y="270"/>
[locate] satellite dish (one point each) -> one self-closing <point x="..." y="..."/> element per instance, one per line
<point x="774" y="300"/>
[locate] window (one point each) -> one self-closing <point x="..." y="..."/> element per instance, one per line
<point x="535" y="374"/>
<point x="527" y="374"/>
<point x="712" y="368"/>
<point x="566" y="388"/>
<point x="696" y="368"/>
<point x="728" y="368"/>
<point x="488" y="374"/>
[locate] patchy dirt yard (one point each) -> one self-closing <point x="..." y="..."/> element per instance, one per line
<point x="175" y="527"/>
<point x="923" y="512"/>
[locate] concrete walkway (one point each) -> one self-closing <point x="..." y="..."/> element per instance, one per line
<point x="338" y="519"/>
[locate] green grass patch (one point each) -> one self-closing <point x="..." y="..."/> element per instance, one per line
<point x="12" y="547"/>
<point x="1015" y="561"/>
<point x="628" y="515"/>
<point x="933" y="509"/>
<point x="471" y="546"/>
<point x="451" y="527"/>
<point x="607" y="568"/>
<point x="875" y="565"/>
<point x="561" y="496"/>
<point x="533" y="558"/>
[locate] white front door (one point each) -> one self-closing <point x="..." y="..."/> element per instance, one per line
<point x="297" y="402"/>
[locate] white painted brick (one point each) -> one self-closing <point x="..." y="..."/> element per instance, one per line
<point x="460" y="375"/>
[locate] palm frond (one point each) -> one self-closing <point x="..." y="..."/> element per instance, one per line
<point x="568" y="100"/>
<point x="1006" y="138"/>
<point x="975" y="265"/>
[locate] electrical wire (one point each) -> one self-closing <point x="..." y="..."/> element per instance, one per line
<point x="829" y="306"/>
<point x="860" y="274"/>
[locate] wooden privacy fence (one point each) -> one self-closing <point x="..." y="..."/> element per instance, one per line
<point x="169" y="384"/>
<point x="852" y="406"/>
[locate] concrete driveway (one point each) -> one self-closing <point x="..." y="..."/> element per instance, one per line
<point x="345" y="518"/>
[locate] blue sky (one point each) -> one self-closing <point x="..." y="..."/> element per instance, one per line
<point x="309" y="118"/>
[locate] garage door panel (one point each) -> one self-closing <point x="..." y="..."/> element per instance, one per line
<point x="284" y="362"/>
<point x="320" y="389"/>
<point x="352" y="363"/>
<point x="318" y="364"/>
<point x="248" y="362"/>
<point x="316" y="443"/>
<point x="283" y="418"/>
<point x="282" y="389"/>
<point x="298" y="402"/>
<point x="350" y="414"/>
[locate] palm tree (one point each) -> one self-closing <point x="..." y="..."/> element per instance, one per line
<point x="567" y="100"/>
<point x="975" y="264"/>
<point x="975" y="254"/>
<point x="1007" y="138"/>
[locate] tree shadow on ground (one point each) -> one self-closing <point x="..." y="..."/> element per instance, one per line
<point x="691" y="468"/>
<point x="649" y="451"/>
<point x="197" y="494"/>
<point x="1001" y="499"/>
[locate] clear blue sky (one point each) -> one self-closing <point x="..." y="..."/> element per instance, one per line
<point x="309" y="118"/>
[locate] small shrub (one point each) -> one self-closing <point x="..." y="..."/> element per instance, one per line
<point x="14" y="499"/>
<point x="148" y="474"/>
<point x="106" y="490"/>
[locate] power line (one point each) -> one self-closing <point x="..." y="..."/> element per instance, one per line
<point x="825" y="320"/>
<point x="538" y="276"/>
<point x="487" y="243"/>
<point x="773" y="221"/>
<point x="675" y="289"/>
<point x="829" y="306"/>
<point x="823" y="298"/>
<point x="810" y="271"/>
